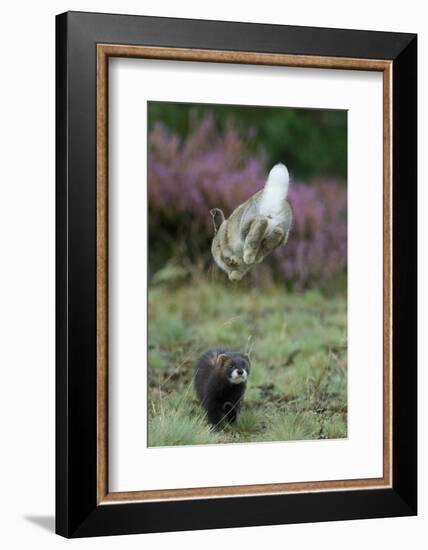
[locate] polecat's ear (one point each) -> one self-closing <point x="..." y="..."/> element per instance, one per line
<point x="221" y="359"/>
<point x="247" y="356"/>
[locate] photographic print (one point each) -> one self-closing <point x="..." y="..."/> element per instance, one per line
<point x="247" y="297"/>
<point x="232" y="285"/>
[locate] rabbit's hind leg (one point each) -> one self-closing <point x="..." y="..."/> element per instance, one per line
<point x="269" y="243"/>
<point x="254" y="238"/>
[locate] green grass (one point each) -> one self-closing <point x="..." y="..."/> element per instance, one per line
<point x="298" y="384"/>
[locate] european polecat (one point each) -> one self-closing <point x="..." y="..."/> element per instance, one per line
<point x="220" y="382"/>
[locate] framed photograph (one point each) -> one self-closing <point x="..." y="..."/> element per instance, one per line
<point x="236" y="274"/>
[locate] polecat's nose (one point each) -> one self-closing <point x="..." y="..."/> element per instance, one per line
<point x="240" y="372"/>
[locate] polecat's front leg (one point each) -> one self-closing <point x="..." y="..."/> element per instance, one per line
<point x="231" y="411"/>
<point x="216" y="416"/>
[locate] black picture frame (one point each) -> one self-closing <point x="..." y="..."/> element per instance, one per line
<point x="77" y="511"/>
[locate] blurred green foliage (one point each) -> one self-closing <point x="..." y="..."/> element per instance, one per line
<point x="311" y="141"/>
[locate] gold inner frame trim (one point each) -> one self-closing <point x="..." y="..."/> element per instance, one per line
<point x="104" y="51"/>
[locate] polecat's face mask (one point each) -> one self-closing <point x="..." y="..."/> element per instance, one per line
<point x="238" y="375"/>
<point x="236" y="368"/>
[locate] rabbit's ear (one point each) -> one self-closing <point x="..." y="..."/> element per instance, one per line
<point x="218" y="218"/>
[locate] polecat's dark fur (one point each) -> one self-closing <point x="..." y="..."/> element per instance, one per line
<point x="220" y="382"/>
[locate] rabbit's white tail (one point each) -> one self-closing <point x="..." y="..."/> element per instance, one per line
<point x="275" y="191"/>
